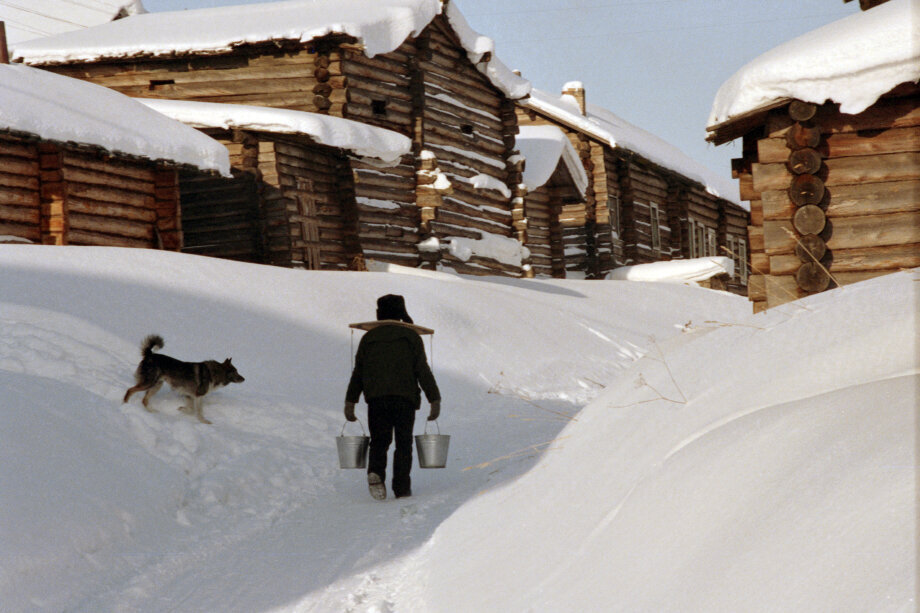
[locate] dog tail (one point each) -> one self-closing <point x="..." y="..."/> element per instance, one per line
<point x="154" y="341"/>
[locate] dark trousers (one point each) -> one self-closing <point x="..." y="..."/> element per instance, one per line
<point x="386" y="416"/>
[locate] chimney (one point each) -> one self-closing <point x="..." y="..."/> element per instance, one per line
<point x="577" y="90"/>
<point x="4" y="52"/>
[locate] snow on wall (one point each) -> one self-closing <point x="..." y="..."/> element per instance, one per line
<point x="852" y="61"/>
<point x="61" y="109"/>
<point x="362" y="139"/>
<point x="38" y="18"/>
<point x="617" y="132"/>
<point x="542" y="148"/>
<point x="380" y="25"/>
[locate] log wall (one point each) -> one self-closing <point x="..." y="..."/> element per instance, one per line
<point x="65" y="195"/>
<point x="837" y="197"/>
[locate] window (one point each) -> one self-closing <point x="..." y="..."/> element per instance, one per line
<point x="697" y="236"/>
<point x="379" y="108"/>
<point x="742" y="255"/>
<point x="656" y="227"/>
<point x="613" y="209"/>
<point x="161" y="84"/>
<point x="712" y="245"/>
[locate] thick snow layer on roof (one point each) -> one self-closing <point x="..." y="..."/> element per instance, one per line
<point x="542" y="148"/>
<point x="852" y="61"/>
<point x="50" y="17"/>
<point x="58" y="108"/>
<point x="617" y="132"/>
<point x="675" y="271"/>
<point x="380" y="25"/>
<point x="359" y="138"/>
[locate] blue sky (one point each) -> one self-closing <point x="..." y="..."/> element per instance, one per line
<point x="655" y="63"/>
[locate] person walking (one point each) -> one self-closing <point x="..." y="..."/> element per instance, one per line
<point x="390" y="366"/>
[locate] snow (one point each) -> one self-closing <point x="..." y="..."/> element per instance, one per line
<point x="542" y="148"/>
<point x="502" y="249"/>
<point x="50" y="17"/>
<point x="614" y="446"/>
<point x="359" y="138"/>
<point x="609" y="128"/>
<point x="852" y="61"/>
<point x="57" y="108"/>
<point x="676" y="271"/>
<point x="484" y="181"/>
<point x="379" y="25"/>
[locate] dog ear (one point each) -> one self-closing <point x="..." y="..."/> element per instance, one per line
<point x="227" y="362"/>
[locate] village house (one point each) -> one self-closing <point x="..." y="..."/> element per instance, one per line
<point x="830" y="125"/>
<point x="553" y="181"/>
<point x="410" y="66"/>
<point x="291" y="201"/>
<point x="84" y="165"/>
<point x="646" y="201"/>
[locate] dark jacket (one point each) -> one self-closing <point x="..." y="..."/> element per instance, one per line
<point x="391" y="362"/>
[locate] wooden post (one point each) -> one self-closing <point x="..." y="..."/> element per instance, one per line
<point x="4" y="50"/>
<point x="54" y="225"/>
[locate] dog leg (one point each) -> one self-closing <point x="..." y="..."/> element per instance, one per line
<point x="150" y="392"/>
<point x="198" y="410"/>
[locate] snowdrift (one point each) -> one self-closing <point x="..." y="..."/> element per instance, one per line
<point x="722" y="461"/>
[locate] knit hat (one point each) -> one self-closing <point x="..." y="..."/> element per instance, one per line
<point x="392" y="306"/>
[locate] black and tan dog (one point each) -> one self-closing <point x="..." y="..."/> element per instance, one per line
<point x="191" y="379"/>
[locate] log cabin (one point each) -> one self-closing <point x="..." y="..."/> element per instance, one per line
<point x="831" y="154"/>
<point x="428" y="77"/>
<point x="83" y="165"/>
<point x="291" y="200"/>
<point x="646" y="201"/>
<point x="554" y="183"/>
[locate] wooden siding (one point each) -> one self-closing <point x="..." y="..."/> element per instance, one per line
<point x="20" y="204"/>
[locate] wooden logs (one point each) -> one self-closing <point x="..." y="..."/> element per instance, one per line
<point x="811" y="277"/>
<point x="806" y="189"/>
<point x="807" y="192"/>
<point x="805" y="161"/>
<point x="810" y="247"/>
<point x="809" y="219"/>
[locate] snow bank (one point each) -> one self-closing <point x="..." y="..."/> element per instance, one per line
<point x="61" y="109"/>
<point x="502" y="249"/>
<point x="359" y="138"/>
<point x="852" y="61"/>
<point x="542" y="148"/>
<point x="768" y="464"/>
<point x="615" y="131"/>
<point x="675" y="271"/>
<point x="110" y="508"/>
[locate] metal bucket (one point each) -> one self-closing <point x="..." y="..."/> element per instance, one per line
<point x="352" y="449"/>
<point x="432" y="448"/>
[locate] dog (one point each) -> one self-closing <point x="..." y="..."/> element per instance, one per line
<point x="191" y="379"/>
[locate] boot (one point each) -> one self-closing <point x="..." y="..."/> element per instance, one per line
<point x="376" y="487"/>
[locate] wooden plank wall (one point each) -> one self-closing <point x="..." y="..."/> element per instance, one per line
<point x="870" y="172"/>
<point x="20" y="212"/>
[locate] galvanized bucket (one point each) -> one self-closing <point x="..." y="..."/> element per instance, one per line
<point x="352" y="449"/>
<point x="432" y="448"/>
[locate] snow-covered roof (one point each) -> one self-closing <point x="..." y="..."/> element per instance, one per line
<point x="379" y="25"/>
<point x="28" y="19"/>
<point x="542" y="148"/>
<point x="57" y="108"/>
<point x="607" y="127"/>
<point x="852" y="61"/>
<point x="675" y="271"/>
<point x="359" y="138"/>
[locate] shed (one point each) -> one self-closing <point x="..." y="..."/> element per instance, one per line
<point x="646" y="200"/>
<point x="83" y="165"/>
<point x="830" y="124"/>
<point x="291" y="200"/>
<point x="555" y="182"/>
<point x="411" y="66"/>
